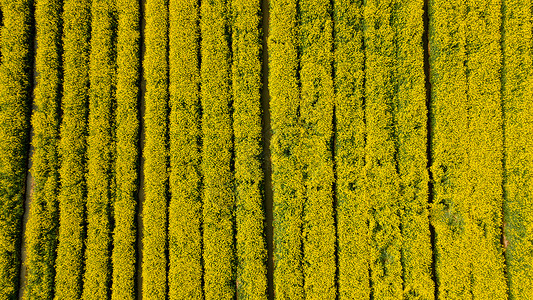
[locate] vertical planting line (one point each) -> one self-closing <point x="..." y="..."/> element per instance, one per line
<point x="485" y="148"/>
<point x="127" y="150"/>
<point x="316" y="108"/>
<point x="351" y="204"/>
<point x="29" y="180"/>
<point x="249" y="214"/>
<point x="100" y="152"/>
<point x="73" y="149"/>
<point x="185" y="208"/>
<point x="411" y="122"/>
<point x="517" y="77"/>
<point x="268" y="205"/>
<point x="41" y="233"/>
<point x="382" y="180"/>
<point x="15" y="100"/>
<point x="286" y="175"/>
<point x="155" y="260"/>
<point x="217" y="151"/>
<point x="140" y="188"/>
<point x="429" y="141"/>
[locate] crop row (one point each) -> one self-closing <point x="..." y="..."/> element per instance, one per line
<point x="246" y="78"/>
<point x="15" y="78"/>
<point x="73" y="148"/>
<point x="127" y="154"/>
<point x="411" y="132"/>
<point x="41" y="234"/>
<point x="467" y="148"/>
<point x="352" y="208"/>
<point x="185" y="208"/>
<point x="217" y="151"/>
<point x="518" y="160"/>
<point x="316" y="118"/>
<point x="286" y="165"/>
<point x="154" y="208"/>
<point x="100" y="152"/>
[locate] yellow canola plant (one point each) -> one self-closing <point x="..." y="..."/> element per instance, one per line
<point x="123" y="258"/>
<point x="154" y="209"/>
<point x="246" y="71"/>
<point x="352" y="208"/>
<point x="15" y="78"/>
<point x="41" y="234"/>
<point x="217" y="151"/>
<point x="517" y="79"/>
<point x="100" y="151"/>
<point x="467" y="148"/>
<point x="185" y="209"/>
<point x="72" y="150"/>
<point x="285" y="143"/>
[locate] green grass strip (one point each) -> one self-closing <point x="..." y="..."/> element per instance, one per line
<point x="246" y="69"/>
<point x="76" y="37"/>
<point x="127" y="154"/>
<point x="286" y="174"/>
<point x="517" y="76"/>
<point x="382" y="180"/>
<point x="218" y="195"/>
<point x="15" y="78"/>
<point x="43" y="221"/>
<point x="485" y="149"/>
<point x="155" y="66"/>
<point x="316" y="109"/>
<point x="185" y="239"/>
<point x="100" y="151"/>
<point x="411" y="118"/>
<point x="352" y="205"/>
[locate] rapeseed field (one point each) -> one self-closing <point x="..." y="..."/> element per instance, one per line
<point x="266" y="149"/>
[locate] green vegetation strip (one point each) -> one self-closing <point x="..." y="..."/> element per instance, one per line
<point x="286" y="174"/>
<point x="15" y="78"/>
<point x="316" y="109"/>
<point x="218" y="194"/>
<point x="100" y="151"/>
<point x="352" y="205"/>
<point x="467" y="149"/>
<point x="251" y="250"/>
<point x="76" y="36"/>
<point x="127" y="153"/>
<point x="411" y="130"/>
<point x="154" y="265"/>
<point x="185" y="239"/>
<point x="382" y="180"/>
<point x="518" y="206"/>
<point x="43" y="221"/>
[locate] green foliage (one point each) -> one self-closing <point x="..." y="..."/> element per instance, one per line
<point x="382" y="179"/>
<point x="100" y="151"/>
<point x="467" y="148"/>
<point x="185" y="239"/>
<point x="517" y="76"/>
<point x="316" y="113"/>
<point x="43" y="222"/>
<point x="246" y="69"/>
<point x="286" y="173"/>
<point x="154" y="285"/>
<point x="127" y="154"/>
<point x="218" y="196"/>
<point x="352" y="206"/>
<point x="15" y="79"/>
<point x="411" y="131"/>
<point x="72" y="149"/>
